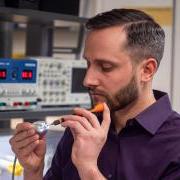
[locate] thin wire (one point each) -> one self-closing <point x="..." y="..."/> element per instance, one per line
<point x="14" y="167"/>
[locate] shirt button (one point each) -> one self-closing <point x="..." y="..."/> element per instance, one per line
<point x="109" y="176"/>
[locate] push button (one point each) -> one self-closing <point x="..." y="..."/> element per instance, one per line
<point x="2" y="104"/>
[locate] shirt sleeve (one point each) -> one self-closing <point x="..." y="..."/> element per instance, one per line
<point x="60" y="158"/>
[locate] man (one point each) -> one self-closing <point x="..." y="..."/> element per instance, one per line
<point x="138" y="137"/>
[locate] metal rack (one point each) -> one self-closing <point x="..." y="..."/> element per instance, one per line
<point x="40" y="24"/>
<point x="35" y="16"/>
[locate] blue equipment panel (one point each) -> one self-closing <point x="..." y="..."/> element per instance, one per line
<point x="18" y="71"/>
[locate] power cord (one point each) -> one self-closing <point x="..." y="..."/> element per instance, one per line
<point x="14" y="167"/>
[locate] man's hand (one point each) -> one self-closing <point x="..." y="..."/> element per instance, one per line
<point x="29" y="149"/>
<point x="89" y="138"/>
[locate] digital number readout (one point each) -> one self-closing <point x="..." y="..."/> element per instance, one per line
<point x="2" y="74"/>
<point x="26" y="74"/>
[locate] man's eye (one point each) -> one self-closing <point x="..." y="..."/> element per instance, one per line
<point x="106" y="67"/>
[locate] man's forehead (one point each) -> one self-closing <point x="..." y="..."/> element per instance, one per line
<point x="108" y="30"/>
<point x="112" y="37"/>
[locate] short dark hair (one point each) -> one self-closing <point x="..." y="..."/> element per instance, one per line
<point x="145" y="37"/>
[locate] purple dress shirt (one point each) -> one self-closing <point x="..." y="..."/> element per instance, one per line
<point x="148" y="148"/>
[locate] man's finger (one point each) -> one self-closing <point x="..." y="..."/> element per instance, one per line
<point x="89" y="116"/>
<point x="82" y="120"/>
<point x="29" y="148"/>
<point x="106" y="118"/>
<point x="74" y="125"/>
<point x="26" y="142"/>
<point x="23" y="127"/>
<point x="23" y="135"/>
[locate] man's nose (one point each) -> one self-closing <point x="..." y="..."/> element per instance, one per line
<point x="91" y="78"/>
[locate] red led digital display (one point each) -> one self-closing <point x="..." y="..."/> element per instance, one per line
<point x="26" y="74"/>
<point x="2" y="74"/>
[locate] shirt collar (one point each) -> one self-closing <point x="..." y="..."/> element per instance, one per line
<point x="155" y="115"/>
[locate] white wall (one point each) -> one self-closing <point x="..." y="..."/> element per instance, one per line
<point x="176" y="56"/>
<point x="107" y="5"/>
<point x="162" y="79"/>
<point x="89" y="8"/>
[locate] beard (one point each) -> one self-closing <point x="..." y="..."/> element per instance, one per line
<point x="124" y="96"/>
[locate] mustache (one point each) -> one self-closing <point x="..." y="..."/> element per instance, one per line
<point x="96" y="92"/>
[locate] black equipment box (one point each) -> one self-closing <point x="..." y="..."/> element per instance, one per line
<point x="69" y="7"/>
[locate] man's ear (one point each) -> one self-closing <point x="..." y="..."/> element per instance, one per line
<point x="148" y="69"/>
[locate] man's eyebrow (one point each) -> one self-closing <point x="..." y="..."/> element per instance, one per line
<point x="100" y="60"/>
<point x="104" y="61"/>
